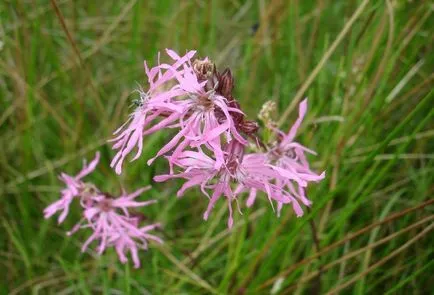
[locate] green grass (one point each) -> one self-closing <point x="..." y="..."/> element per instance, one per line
<point x="369" y="81"/>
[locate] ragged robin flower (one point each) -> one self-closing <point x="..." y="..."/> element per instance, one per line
<point x="113" y="225"/>
<point x="113" y="221"/>
<point x="201" y="115"/>
<point x="210" y="134"/>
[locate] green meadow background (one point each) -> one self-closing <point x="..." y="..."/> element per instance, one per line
<point x="67" y="72"/>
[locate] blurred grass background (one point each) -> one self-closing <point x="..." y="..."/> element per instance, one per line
<point x="366" y="67"/>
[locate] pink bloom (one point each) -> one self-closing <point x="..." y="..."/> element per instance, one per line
<point x="153" y="104"/>
<point x="74" y="188"/>
<point x="113" y="225"/>
<point x="250" y="173"/>
<point x="290" y="162"/>
<point x="127" y="241"/>
<point x="199" y="122"/>
<point x="207" y="149"/>
<point x="148" y="111"/>
<point x="201" y="116"/>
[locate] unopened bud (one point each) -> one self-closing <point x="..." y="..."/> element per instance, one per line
<point x="226" y="84"/>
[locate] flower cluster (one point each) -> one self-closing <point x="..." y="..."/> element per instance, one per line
<point x="191" y="105"/>
<point x="209" y="148"/>
<point x="109" y="218"/>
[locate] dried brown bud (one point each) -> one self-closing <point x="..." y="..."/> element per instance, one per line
<point x="204" y="69"/>
<point x="226" y="84"/>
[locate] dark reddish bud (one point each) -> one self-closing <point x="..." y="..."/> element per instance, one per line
<point x="226" y="84"/>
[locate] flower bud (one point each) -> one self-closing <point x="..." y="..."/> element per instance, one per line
<point x="226" y="84"/>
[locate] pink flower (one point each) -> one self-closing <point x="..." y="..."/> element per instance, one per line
<point x="248" y="172"/>
<point x="202" y="117"/>
<point x="288" y="159"/>
<point x="74" y="188"/>
<point x="113" y="225"/>
<point x="153" y="104"/>
<point x="125" y="242"/>
<point x="209" y="146"/>
<point x="199" y="122"/>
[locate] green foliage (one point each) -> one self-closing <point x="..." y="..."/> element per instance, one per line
<point x="370" y="119"/>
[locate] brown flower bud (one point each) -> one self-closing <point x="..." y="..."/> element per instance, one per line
<point x="204" y="69"/>
<point x="226" y="84"/>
